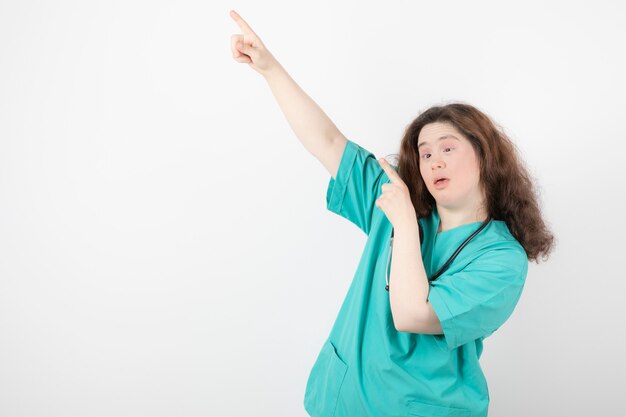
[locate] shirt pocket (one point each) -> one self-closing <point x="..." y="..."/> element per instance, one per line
<point x="422" y="409"/>
<point x="324" y="382"/>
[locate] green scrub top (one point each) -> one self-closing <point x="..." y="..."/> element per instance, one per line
<point x="367" y="368"/>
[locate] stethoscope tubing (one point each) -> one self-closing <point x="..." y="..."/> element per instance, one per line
<point x="448" y="262"/>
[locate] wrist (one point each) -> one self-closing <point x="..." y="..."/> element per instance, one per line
<point x="272" y="70"/>
<point x="408" y="223"/>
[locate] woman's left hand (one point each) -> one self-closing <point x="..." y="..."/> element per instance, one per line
<point x="395" y="200"/>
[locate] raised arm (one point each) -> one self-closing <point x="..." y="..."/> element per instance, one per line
<point x="312" y="126"/>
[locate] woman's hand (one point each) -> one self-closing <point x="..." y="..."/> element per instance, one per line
<point x="395" y="200"/>
<point x="248" y="48"/>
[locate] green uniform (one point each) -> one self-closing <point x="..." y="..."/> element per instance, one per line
<point x="367" y="368"/>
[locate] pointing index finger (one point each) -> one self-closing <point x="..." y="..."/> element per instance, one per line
<point x="391" y="173"/>
<point x="245" y="28"/>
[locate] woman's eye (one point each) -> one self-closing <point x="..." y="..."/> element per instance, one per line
<point x="425" y="156"/>
<point x="445" y="149"/>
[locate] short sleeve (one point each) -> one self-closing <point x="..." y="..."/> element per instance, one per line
<point x="476" y="301"/>
<point x="353" y="192"/>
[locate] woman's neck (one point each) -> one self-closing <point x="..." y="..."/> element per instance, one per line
<point x="449" y="219"/>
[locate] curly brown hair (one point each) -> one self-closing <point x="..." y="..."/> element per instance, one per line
<point x="509" y="190"/>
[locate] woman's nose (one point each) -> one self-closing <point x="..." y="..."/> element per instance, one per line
<point x="438" y="163"/>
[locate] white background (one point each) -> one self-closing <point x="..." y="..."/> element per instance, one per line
<point x="165" y="248"/>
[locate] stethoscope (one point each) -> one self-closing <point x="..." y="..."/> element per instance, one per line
<point x="448" y="262"/>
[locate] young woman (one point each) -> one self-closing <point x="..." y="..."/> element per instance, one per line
<point x="460" y="216"/>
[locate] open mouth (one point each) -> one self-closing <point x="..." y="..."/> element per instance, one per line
<point x="441" y="182"/>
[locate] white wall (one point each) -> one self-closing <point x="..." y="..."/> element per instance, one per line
<point x="165" y="244"/>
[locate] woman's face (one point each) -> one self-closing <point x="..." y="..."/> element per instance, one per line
<point x="446" y="153"/>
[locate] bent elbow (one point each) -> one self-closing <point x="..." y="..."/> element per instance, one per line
<point x="405" y="325"/>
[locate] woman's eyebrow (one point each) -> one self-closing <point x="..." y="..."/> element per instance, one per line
<point x="441" y="138"/>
